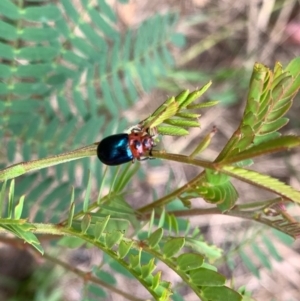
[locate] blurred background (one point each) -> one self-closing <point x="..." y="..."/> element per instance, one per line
<point x="222" y="41"/>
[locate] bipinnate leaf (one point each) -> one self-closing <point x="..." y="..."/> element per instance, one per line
<point x="274" y="126"/>
<point x="177" y="297"/>
<point x="151" y="222"/>
<point x="271" y="248"/>
<point x="64" y="65"/>
<point x="194" y="95"/>
<point x="135" y="261"/>
<point x="163" y="291"/>
<point x="124" y="248"/>
<point x="19" y="208"/>
<point x="267" y="137"/>
<point x="124" y="177"/>
<point x="294" y="69"/>
<point x="87" y="195"/>
<point x="96" y="290"/>
<point x="261" y="255"/>
<point x="85" y="223"/>
<point x="162" y="218"/>
<point x="218" y="189"/>
<point x="220" y="293"/>
<point x="203" y="144"/>
<point x="100" y="227"/>
<point x="173" y="246"/>
<point x="283" y="237"/>
<point x="172" y="131"/>
<point x="261" y="180"/>
<point x="172" y="223"/>
<point x="203" y="105"/>
<point x="249" y="263"/>
<point x="177" y="112"/>
<point x="169" y="110"/>
<point x="183" y="122"/>
<point x="11" y="194"/>
<point x="10" y="10"/>
<point x="270" y="97"/>
<point x="155" y="237"/>
<point x="205" y="277"/>
<point x="188" y="116"/>
<point x="181" y="97"/>
<point x="156" y="280"/>
<point x="71" y="242"/>
<point x="117" y="267"/>
<point x="113" y="238"/>
<point x="148" y="268"/>
<point x="189" y="261"/>
<point x="2" y="197"/>
<point x="23" y="232"/>
<point x="210" y="251"/>
<point x="277" y="113"/>
<point x="105" y="276"/>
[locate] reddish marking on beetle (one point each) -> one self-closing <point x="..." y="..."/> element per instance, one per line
<point x="140" y="142"/>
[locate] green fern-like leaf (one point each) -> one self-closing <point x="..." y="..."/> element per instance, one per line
<point x="88" y="74"/>
<point x="264" y="181"/>
<point x="270" y="96"/>
<point x="176" y="113"/>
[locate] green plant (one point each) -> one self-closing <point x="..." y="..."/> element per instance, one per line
<point x="44" y="64"/>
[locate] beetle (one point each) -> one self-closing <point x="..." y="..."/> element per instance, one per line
<point x="121" y="148"/>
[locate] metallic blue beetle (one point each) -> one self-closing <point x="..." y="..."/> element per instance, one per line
<point x="121" y="148"/>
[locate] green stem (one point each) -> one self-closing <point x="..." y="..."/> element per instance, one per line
<point x="258" y="204"/>
<point x="168" y="198"/>
<point x="178" y="158"/>
<point x="19" y="169"/>
<point x="195" y="212"/>
<point x="182" y="159"/>
<point x="199" y="211"/>
<point x="37" y="228"/>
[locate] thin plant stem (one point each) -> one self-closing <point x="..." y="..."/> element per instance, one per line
<point x="168" y="198"/>
<point x="19" y="169"/>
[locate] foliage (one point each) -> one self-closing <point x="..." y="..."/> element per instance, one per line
<point x="66" y="73"/>
<point x="64" y="65"/>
